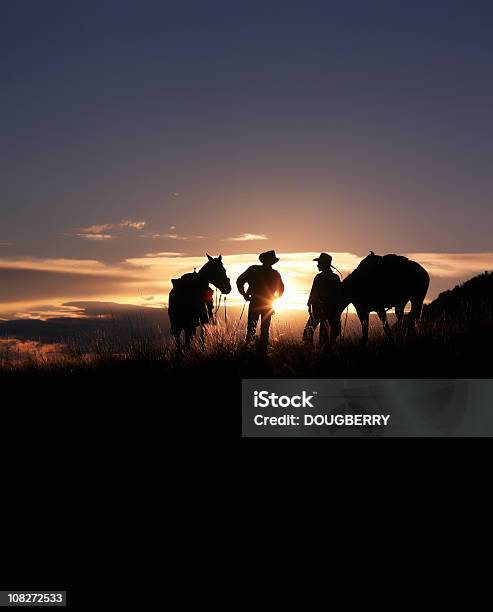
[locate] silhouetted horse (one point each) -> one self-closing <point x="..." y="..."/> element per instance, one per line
<point x="383" y="282"/>
<point x="190" y="299"/>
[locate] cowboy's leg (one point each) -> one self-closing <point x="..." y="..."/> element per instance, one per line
<point x="310" y="327"/>
<point x="335" y="327"/>
<point x="324" y="332"/>
<point x="253" y="315"/>
<point x="264" y="327"/>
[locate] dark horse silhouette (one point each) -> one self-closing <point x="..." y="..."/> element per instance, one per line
<point x="190" y="299"/>
<point x="382" y="282"/>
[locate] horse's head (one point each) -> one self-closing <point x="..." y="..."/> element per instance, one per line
<point x="354" y="283"/>
<point x="216" y="274"/>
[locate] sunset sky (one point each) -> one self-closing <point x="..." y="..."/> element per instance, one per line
<point x="136" y="136"/>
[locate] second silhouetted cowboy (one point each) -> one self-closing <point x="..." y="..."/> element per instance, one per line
<point x="323" y="303"/>
<point x="264" y="286"/>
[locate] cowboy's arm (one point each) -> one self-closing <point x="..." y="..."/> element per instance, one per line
<point x="280" y="286"/>
<point x="241" y="281"/>
<point x="313" y="292"/>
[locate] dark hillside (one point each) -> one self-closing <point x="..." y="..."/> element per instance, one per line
<point x="470" y="300"/>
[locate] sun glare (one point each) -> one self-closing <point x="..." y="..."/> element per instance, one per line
<point x="294" y="298"/>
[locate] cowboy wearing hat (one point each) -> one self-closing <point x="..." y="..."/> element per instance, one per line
<point x="264" y="285"/>
<point x="323" y="303"/>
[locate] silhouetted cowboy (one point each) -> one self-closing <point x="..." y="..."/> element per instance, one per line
<point x="323" y="303"/>
<point x="264" y="285"/>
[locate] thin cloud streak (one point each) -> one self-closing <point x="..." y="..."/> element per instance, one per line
<point x="165" y="254"/>
<point x="96" y="229"/>
<point x="61" y="265"/>
<point x="95" y="237"/>
<point x="246" y="237"/>
<point x="172" y="236"/>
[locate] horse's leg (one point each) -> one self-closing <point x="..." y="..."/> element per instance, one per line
<point x="386" y="327"/>
<point x="178" y="342"/>
<point x="206" y="317"/>
<point x="399" y="313"/>
<point x="364" y="317"/>
<point x="415" y="314"/>
<point x="189" y="334"/>
<point x="202" y="335"/>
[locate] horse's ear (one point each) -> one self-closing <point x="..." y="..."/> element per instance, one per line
<point x="220" y="257"/>
<point x="209" y="257"/>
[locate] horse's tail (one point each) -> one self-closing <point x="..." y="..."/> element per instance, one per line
<point x="422" y="284"/>
<point x="173" y="313"/>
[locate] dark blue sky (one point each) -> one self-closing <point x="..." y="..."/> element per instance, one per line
<point x="343" y="126"/>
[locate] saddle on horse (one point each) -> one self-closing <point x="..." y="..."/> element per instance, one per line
<point x="190" y="303"/>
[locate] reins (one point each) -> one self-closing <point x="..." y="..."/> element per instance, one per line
<point x="239" y="320"/>
<point x="347" y="307"/>
<point x="218" y="306"/>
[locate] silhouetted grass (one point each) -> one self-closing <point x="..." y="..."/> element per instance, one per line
<point x="442" y="347"/>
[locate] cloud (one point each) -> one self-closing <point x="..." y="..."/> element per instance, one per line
<point x="27" y="282"/>
<point x="186" y="238"/>
<point x="164" y="254"/>
<point x="96" y="229"/>
<point x="95" y="237"/>
<point x="138" y="225"/>
<point x="154" y="235"/>
<point x="5" y="244"/>
<point x="18" y="285"/>
<point x="72" y="266"/>
<point x="98" y="308"/>
<point x="101" y="232"/>
<point x="173" y="236"/>
<point x="453" y="265"/>
<point x="247" y="237"/>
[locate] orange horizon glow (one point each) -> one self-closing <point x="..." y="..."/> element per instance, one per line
<point x="146" y="281"/>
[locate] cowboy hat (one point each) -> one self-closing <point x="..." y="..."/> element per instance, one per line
<point x="324" y="258"/>
<point x="268" y="257"/>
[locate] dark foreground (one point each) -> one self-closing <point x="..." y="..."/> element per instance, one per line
<point x="129" y="477"/>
